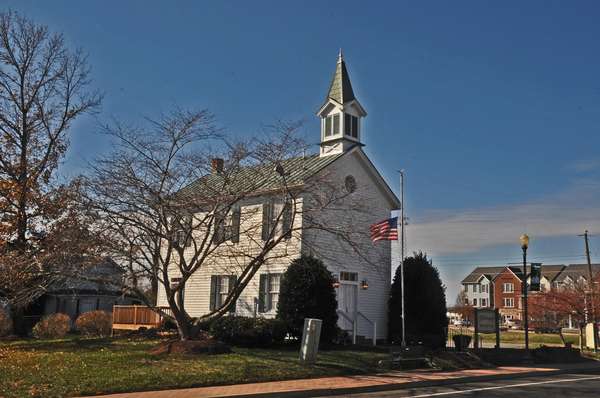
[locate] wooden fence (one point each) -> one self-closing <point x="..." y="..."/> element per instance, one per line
<point x="133" y="317"/>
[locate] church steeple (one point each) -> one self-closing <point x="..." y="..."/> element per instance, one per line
<point x="341" y="113"/>
<point x="340" y="89"/>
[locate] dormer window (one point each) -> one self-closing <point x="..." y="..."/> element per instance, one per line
<point x="332" y="125"/>
<point x="351" y="125"/>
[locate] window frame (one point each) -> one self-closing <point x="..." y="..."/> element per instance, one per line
<point x="328" y="128"/>
<point x="336" y="124"/>
<point x="265" y="294"/>
<point x="348" y="277"/>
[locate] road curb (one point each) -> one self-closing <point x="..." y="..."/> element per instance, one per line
<point x="320" y="392"/>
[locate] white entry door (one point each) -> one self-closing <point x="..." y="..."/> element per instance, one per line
<point x="347" y="304"/>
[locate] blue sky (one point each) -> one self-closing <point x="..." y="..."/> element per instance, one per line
<point x="492" y="108"/>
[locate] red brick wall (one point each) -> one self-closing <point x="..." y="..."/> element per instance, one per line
<point x="507" y="276"/>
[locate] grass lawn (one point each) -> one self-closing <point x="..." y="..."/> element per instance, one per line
<point x="535" y="339"/>
<point x="72" y="366"/>
<point x="518" y="337"/>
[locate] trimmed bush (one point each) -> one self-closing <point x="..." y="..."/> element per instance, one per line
<point x="94" y="323"/>
<point x="52" y="327"/>
<point x="425" y="300"/>
<point x="307" y="292"/>
<point x="6" y="326"/>
<point x="248" y="332"/>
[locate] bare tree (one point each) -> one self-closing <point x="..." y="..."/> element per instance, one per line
<point x="559" y="303"/>
<point x="43" y="89"/>
<point x="167" y="207"/>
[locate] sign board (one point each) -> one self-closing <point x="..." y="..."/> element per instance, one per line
<point x="535" y="277"/>
<point x="486" y="320"/>
<point x="310" y="340"/>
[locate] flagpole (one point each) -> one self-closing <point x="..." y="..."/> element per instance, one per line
<point x="403" y="343"/>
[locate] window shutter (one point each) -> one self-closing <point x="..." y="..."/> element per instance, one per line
<point x="263" y="292"/>
<point x="266" y="221"/>
<point x="235" y="224"/>
<point x="232" y="282"/>
<point x="286" y="223"/>
<point x="214" y="291"/>
<point x="269" y="305"/>
<point x="187" y="235"/>
<point x="218" y="229"/>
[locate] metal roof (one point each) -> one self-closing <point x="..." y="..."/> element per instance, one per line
<point x="254" y="180"/>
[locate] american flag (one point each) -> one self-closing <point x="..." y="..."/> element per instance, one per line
<point x="385" y="230"/>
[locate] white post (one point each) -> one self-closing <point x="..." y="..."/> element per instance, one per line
<point x="374" y="333"/>
<point x="355" y="315"/>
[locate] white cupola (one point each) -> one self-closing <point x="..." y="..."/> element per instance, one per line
<point x="341" y="114"/>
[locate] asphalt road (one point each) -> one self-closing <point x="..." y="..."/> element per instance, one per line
<point x="566" y="385"/>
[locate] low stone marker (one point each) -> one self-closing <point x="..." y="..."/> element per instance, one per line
<point x="310" y="340"/>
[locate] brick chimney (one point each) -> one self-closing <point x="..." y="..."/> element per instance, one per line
<point x="216" y="165"/>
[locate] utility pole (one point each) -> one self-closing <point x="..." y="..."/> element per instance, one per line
<point x="403" y="343"/>
<point x="591" y="288"/>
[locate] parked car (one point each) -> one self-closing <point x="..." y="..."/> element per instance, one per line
<point x="512" y="324"/>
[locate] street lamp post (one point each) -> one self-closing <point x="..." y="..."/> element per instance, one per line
<point x="524" y="245"/>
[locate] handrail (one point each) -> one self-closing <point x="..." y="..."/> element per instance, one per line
<point x="352" y="321"/>
<point x="372" y="323"/>
<point x="355" y="325"/>
<point x="342" y="313"/>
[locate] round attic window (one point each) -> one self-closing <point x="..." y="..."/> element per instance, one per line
<point x="350" y="184"/>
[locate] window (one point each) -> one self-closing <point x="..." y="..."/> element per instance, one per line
<point x="327" y="126"/>
<point x="350" y="125"/>
<point x="227" y="227"/>
<point x="484" y="288"/>
<point x="474" y="302"/>
<point x="349" y="276"/>
<point x="276" y="213"/>
<point x="508" y="287"/>
<point x="484" y="302"/>
<point x="336" y="124"/>
<point x="350" y="184"/>
<point x="174" y="284"/>
<point x="508" y="302"/>
<point x="274" y="280"/>
<point x="183" y="231"/>
<point x="268" y="292"/>
<point x="180" y="237"/>
<point x="220" y="288"/>
<point x="223" y="290"/>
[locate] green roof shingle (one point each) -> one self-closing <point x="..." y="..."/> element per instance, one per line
<point x="258" y="179"/>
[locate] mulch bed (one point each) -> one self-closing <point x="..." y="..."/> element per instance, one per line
<point x="202" y="344"/>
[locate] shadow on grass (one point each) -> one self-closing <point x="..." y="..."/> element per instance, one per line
<point x="78" y="343"/>
<point x="340" y="361"/>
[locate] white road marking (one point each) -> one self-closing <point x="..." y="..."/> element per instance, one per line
<point x="437" y="394"/>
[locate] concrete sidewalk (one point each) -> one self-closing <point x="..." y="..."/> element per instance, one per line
<point x="360" y="383"/>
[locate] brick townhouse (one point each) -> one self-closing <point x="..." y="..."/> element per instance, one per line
<point x="500" y="287"/>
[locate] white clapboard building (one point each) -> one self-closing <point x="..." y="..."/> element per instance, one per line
<point x="364" y="281"/>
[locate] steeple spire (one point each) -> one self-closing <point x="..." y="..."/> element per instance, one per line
<point x="340" y="89"/>
<point x="341" y="113"/>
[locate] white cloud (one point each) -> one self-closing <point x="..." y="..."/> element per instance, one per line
<point x="445" y="232"/>
<point x="585" y="165"/>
